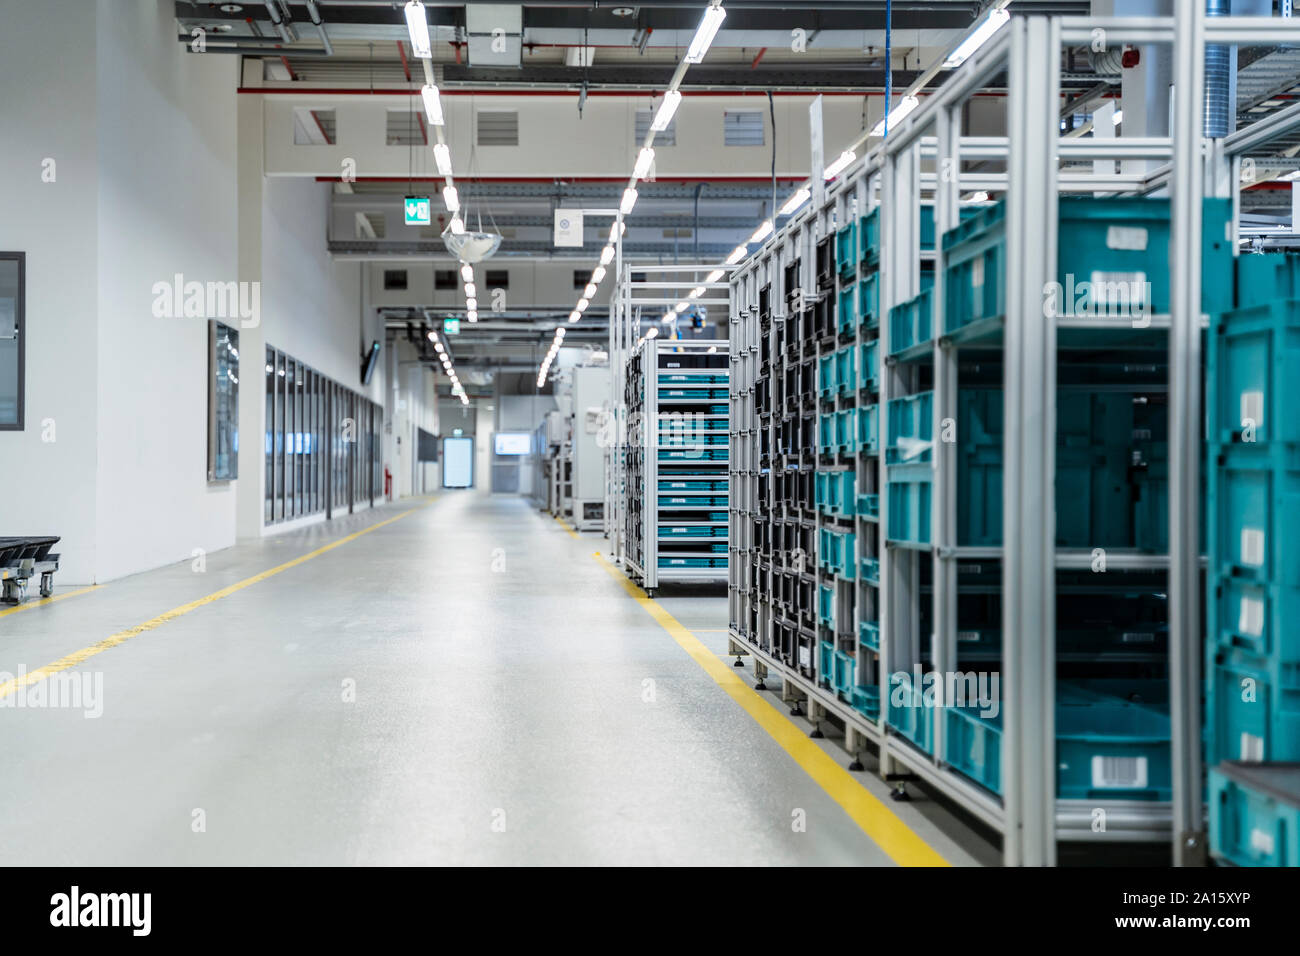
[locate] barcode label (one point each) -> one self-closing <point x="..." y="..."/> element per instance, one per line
<point x="1111" y="290"/>
<point x="1252" y="407"/>
<point x="1130" y="238"/>
<point x="1119" y="773"/>
<point x="805" y="657"/>
<point x="1252" y="617"/>
<point x="677" y="484"/>
<point x="1252" y="547"/>
<point x="1261" y="842"/>
<point x="1252" y="748"/>
<point x="968" y="635"/>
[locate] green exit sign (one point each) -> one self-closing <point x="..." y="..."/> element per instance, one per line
<point x="451" y="326"/>
<point x="418" y="211"/>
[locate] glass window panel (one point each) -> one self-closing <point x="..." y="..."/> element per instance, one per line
<point x="298" y="458"/>
<point x="268" y="441"/>
<point x="279" y="435"/>
<point x="12" y="338"/>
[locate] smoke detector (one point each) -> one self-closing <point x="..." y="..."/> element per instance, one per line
<point x="623" y="11"/>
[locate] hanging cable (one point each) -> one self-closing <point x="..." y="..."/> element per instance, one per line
<point x="889" y="70"/>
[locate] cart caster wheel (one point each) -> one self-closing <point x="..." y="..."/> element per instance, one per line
<point x="651" y="593"/>
<point x="738" y="663"/>
<point x="900" y="794"/>
<point x="856" y="766"/>
<point x="760" y="686"/>
<point x="46" y="592"/>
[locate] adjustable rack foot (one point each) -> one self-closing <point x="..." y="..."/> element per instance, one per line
<point x="856" y="765"/>
<point x="738" y="663"/>
<point x="760" y="686"/>
<point x="795" y="711"/>
<point x="899" y="780"/>
<point x="816" y="732"/>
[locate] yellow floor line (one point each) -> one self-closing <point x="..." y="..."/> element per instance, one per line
<point x="565" y="525"/>
<point x="50" y="600"/>
<point x="875" y="818"/>
<point x="78" y="657"/>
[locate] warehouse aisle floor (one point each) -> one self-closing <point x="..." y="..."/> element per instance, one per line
<point x="464" y="684"/>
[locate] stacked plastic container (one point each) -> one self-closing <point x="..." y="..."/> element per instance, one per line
<point x="1253" y="591"/>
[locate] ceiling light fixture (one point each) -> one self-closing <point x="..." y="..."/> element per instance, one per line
<point x="417" y="24"/>
<point x="707" y="30"/>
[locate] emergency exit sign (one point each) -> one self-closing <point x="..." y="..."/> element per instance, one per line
<point x="451" y="326"/>
<point x="418" y="211"/>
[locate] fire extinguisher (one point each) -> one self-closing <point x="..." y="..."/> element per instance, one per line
<point x="388" y="483"/>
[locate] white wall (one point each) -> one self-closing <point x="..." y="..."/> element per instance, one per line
<point x="167" y="149"/>
<point x="48" y="487"/>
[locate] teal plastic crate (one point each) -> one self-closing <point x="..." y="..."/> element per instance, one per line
<point x="869" y="428"/>
<point x="692" y="562"/>
<point x="973" y="745"/>
<point x="693" y="454"/>
<point x="836" y="551"/>
<point x="826" y="605"/>
<point x="847" y="311"/>
<point x="844" y="496"/>
<point x="693" y="501"/>
<point x="826" y="433"/>
<point x="911" y="322"/>
<point x="869" y="299"/>
<point x="1265" y="277"/>
<point x="827" y="376"/>
<point x="913" y="719"/>
<point x="846" y="249"/>
<point x="1112" y="244"/>
<point x="826" y="660"/>
<point x="692" y="531"/>
<point x="909" y="503"/>
<point x="1253" y="370"/>
<point x="869" y="237"/>
<point x="845" y="374"/>
<point x="1254" y="505"/>
<point x="691" y="484"/>
<point x="869" y="367"/>
<point x="1255" y="814"/>
<point x="866" y="701"/>
<point x="700" y="377"/>
<point x="845" y="666"/>
<point x="869" y="506"/>
<point x="1261" y="619"/>
<point x="871" y="571"/>
<point x="869" y="635"/>
<point x="911" y="429"/>
<point x="1253" y="709"/>
<point x="1106" y="747"/>
<point x="846" y="431"/>
<point x="822" y="491"/>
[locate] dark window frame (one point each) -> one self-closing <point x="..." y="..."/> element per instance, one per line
<point x="20" y="331"/>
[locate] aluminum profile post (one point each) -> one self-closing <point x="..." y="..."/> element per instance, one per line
<point x="1186" y="434"/>
<point x="1029" y="514"/>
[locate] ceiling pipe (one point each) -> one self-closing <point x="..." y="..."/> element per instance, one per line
<point x="319" y="23"/>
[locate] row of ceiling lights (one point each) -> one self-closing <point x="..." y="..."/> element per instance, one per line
<point x="447" y="366"/>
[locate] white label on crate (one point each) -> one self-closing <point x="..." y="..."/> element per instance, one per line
<point x="1251" y="620"/>
<point x="1252" y="748"/>
<point x="677" y="484"/>
<point x="805" y="657"/>
<point x="968" y="635"/>
<point x="1137" y="637"/>
<point x="1252" y="407"/>
<point x="977" y="271"/>
<point x="1131" y="238"/>
<point x="676" y="560"/>
<point x="678" y="530"/>
<point x="1118" y="773"/>
<point x="1117" y="290"/>
<point x="1252" y="547"/>
<point x="1261" y="842"/>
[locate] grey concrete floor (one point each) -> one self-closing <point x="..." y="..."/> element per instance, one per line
<point x="499" y="715"/>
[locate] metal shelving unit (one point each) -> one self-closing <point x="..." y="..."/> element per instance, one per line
<point x="783" y="287"/>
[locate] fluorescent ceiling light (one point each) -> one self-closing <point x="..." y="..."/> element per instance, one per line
<point x="559" y="331"/>
<point x="737" y="254"/>
<point x="707" y="30"/>
<point x="452" y="202"/>
<point x="432" y="104"/>
<point x="457" y="226"/>
<point x="681" y="307"/>
<point x="471" y="291"/>
<point x="575" y="315"/>
<point x="1117" y="118"/>
<point x="590" y="291"/>
<point x="629" y="200"/>
<point x="841" y="161"/>
<point x="614" y="232"/>
<point x="606" y="255"/>
<point x="696" y="292"/>
<point x="471" y="305"/>
<point x="800" y="197"/>
<point x="598" y="275"/>
<point x="467" y="272"/>
<point x="762" y="232"/>
<point x="434" y="339"/>
<point x="417" y="24"/>
<point x="442" y="155"/>
<point x="669" y="316"/>
<point x="978" y="37"/>
<point x="644" y="160"/>
<point x="895" y="116"/>
<point x="713" y="276"/>
<point x="651" y="332"/>
<point x="472" y="315"/>
<point x="666" y="110"/>
<point x="582" y="305"/>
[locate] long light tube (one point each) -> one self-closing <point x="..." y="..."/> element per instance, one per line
<point x="442" y="155"/>
<point x="707" y="30"/>
<point x="838" y="166"/>
<point x="644" y="160"/>
<point x="666" y="110"/>
<point x="629" y="200"/>
<point x="432" y="104"/>
<point x="800" y="197"/>
<point x="981" y="35"/>
<point x="895" y="116"/>
<point x="417" y="24"/>
<point x="452" y="201"/>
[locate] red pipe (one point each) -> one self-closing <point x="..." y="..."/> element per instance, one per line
<point x="406" y="67"/>
<point x="562" y="179"/>
<point x="757" y="58"/>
